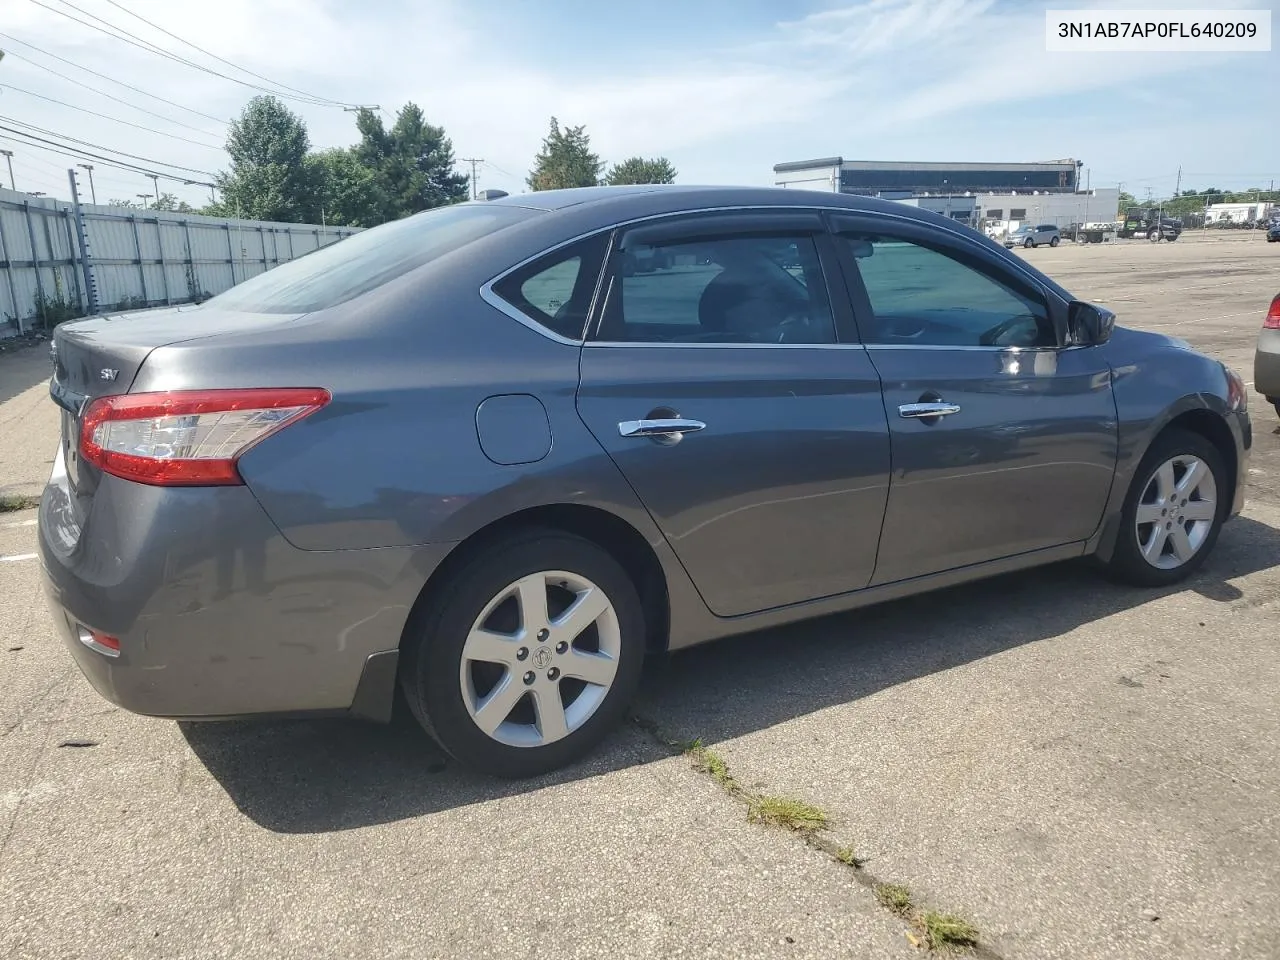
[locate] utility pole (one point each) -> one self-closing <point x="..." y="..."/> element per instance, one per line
<point x="473" y="161"/>
<point x="155" y="185"/>
<point x="8" y="155"/>
<point x="93" y="194"/>
<point x="1178" y="185"/>
<point x="86" y="254"/>
<point x="144" y="197"/>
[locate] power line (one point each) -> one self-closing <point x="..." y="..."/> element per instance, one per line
<point x="98" y="146"/>
<point x="134" y="41"/>
<point x="103" y="76"/>
<point x="103" y="116"/>
<point x="277" y="83"/>
<point x="53" y="147"/>
<point x="103" y="93"/>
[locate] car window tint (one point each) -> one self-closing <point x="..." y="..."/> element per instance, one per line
<point x="923" y="296"/>
<point x="556" y="290"/>
<point x="365" y="260"/>
<point x="757" y="289"/>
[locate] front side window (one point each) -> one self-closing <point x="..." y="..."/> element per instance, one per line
<point x="765" y="289"/>
<point x="922" y="296"/>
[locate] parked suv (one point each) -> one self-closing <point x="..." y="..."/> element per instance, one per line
<point x="1032" y="236"/>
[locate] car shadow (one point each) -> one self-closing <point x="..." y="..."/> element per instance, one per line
<point x="22" y="366"/>
<point x="309" y="776"/>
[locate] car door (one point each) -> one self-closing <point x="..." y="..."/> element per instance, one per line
<point x="715" y="379"/>
<point x="1004" y="441"/>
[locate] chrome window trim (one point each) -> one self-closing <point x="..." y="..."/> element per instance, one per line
<point x="720" y="346"/>
<point x="488" y="296"/>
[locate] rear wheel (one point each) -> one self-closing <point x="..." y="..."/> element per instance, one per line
<point x="1028" y="242"/>
<point x="530" y="657"/>
<point x="1053" y="242"/>
<point x="1174" y="511"/>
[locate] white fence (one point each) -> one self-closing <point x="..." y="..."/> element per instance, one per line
<point x="138" y="258"/>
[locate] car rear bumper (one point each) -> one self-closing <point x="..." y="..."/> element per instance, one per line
<point x="216" y="614"/>
<point x="1266" y="365"/>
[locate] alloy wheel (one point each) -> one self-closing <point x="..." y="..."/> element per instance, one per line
<point x="540" y="659"/>
<point x="1176" y="512"/>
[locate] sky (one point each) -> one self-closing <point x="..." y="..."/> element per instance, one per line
<point x="723" y="88"/>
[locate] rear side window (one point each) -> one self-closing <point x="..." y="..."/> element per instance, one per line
<point x="348" y="268"/>
<point x="555" y="290"/>
<point x="764" y="288"/>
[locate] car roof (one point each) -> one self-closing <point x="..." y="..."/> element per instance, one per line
<point x="642" y="199"/>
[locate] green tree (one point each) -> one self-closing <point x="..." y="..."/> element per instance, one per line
<point x="412" y="164"/>
<point x="166" y="201"/>
<point x="269" y="178"/>
<point x="346" y="192"/>
<point x="640" y="170"/>
<point x="565" y="160"/>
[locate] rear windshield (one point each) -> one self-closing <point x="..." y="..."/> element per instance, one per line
<point x="368" y="259"/>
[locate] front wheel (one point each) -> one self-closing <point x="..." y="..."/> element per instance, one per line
<point x="1173" y="512"/>
<point x="1153" y="235"/>
<point x="530" y="656"/>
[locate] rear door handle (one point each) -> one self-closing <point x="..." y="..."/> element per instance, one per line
<point x="923" y="411"/>
<point x="659" y="428"/>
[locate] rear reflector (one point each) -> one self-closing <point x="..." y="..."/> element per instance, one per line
<point x="187" y="437"/>
<point x="107" y="646"/>
<point x="1272" y="322"/>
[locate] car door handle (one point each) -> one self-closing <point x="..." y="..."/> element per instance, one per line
<point x="919" y="411"/>
<point x="659" y="428"/>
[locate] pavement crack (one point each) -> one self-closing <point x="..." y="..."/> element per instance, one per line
<point x="925" y="928"/>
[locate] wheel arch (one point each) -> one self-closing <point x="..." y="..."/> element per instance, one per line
<point x="607" y="530"/>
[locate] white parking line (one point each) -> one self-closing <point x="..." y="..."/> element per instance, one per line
<point x="17" y="523"/>
<point x="18" y="556"/>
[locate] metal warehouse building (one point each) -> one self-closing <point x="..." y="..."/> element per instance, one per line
<point x="991" y="196"/>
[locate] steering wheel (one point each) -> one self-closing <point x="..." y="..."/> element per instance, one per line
<point x="991" y="337"/>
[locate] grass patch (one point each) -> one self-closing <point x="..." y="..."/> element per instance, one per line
<point x="706" y="760"/>
<point x="14" y="502"/>
<point x="945" y="930"/>
<point x="850" y="859"/>
<point x="784" y="812"/>
<point x="895" y="897"/>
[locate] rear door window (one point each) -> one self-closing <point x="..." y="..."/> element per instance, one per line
<point x="555" y="290"/>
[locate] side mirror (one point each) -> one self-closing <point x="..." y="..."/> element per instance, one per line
<point x="1089" y="323"/>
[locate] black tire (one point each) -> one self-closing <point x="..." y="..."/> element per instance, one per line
<point x="1127" y="565"/>
<point x="1029" y="243"/>
<point x="1053" y="242"/>
<point x="1153" y="235"/>
<point x="1276" y="404"/>
<point x="429" y="673"/>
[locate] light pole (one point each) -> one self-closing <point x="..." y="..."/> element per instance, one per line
<point x="8" y="155"/>
<point x="93" y="194"/>
<point x="144" y="197"/>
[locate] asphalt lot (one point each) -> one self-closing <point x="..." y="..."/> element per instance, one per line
<point x="1079" y="769"/>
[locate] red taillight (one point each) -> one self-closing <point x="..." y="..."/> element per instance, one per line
<point x="1272" y="322"/>
<point x="187" y="437"/>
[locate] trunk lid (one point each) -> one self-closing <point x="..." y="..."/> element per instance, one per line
<point x="101" y="357"/>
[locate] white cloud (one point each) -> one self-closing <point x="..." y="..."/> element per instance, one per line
<point x="862" y="79"/>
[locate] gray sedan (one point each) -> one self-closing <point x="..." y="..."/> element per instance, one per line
<point x="492" y="456"/>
